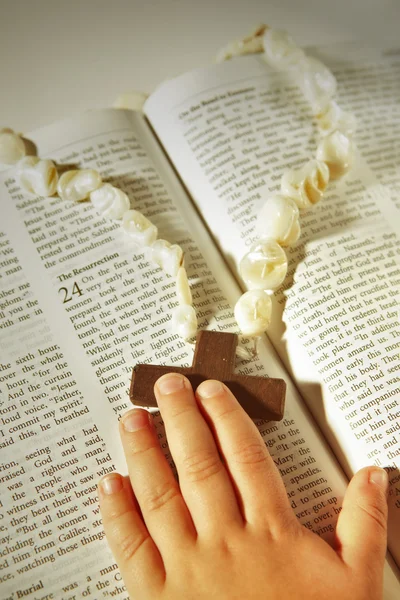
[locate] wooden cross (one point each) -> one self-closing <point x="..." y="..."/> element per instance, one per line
<point x="214" y="358"/>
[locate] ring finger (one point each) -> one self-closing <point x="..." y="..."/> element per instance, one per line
<point x="203" y="479"/>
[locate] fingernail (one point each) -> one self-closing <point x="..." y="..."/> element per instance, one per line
<point x="380" y="477"/>
<point x="110" y="484"/>
<point x="210" y="388"/>
<point x="173" y="382"/>
<point x="135" y="419"/>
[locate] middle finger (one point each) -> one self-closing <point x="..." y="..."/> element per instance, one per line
<point x="203" y="479"/>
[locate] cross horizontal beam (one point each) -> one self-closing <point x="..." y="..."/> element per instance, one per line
<point x="214" y="358"/>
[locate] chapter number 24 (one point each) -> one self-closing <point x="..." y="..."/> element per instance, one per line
<point x="68" y="294"/>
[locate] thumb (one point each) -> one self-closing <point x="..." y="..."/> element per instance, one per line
<point x="361" y="531"/>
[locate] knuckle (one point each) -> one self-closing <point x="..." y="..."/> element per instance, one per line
<point x="116" y="513"/>
<point x="251" y="455"/>
<point x="130" y="544"/>
<point x="136" y="448"/>
<point x="178" y="409"/>
<point x="375" y="512"/>
<point x="159" y="497"/>
<point x="227" y="413"/>
<point x="201" y="466"/>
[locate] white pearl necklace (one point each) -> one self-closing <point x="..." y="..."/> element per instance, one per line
<point x="40" y="177"/>
<point x="264" y="266"/>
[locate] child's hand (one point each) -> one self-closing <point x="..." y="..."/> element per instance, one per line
<point x="227" y="530"/>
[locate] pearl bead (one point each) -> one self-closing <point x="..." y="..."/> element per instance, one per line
<point x="280" y="51"/>
<point x="109" y="201"/>
<point x="12" y="147"/>
<point x="251" y="44"/>
<point x="184" y="321"/>
<point x="37" y="176"/>
<point x="253" y="312"/>
<point x="76" y="185"/>
<point x="333" y="117"/>
<point x="141" y="230"/>
<point x="317" y="82"/>
<point x="279" y="220"/>
<point x="183" y="292"/>
<point x="168" y="257"/>
<point x="264" y="266"/>
<point x="306" y="185"/>
<point x="337" y="151"/>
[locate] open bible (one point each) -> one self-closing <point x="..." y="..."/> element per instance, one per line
<point x="80" y="305"/>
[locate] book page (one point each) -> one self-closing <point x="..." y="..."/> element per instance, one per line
<point x="231" y="131"/>
<point x="79" y="307"/>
